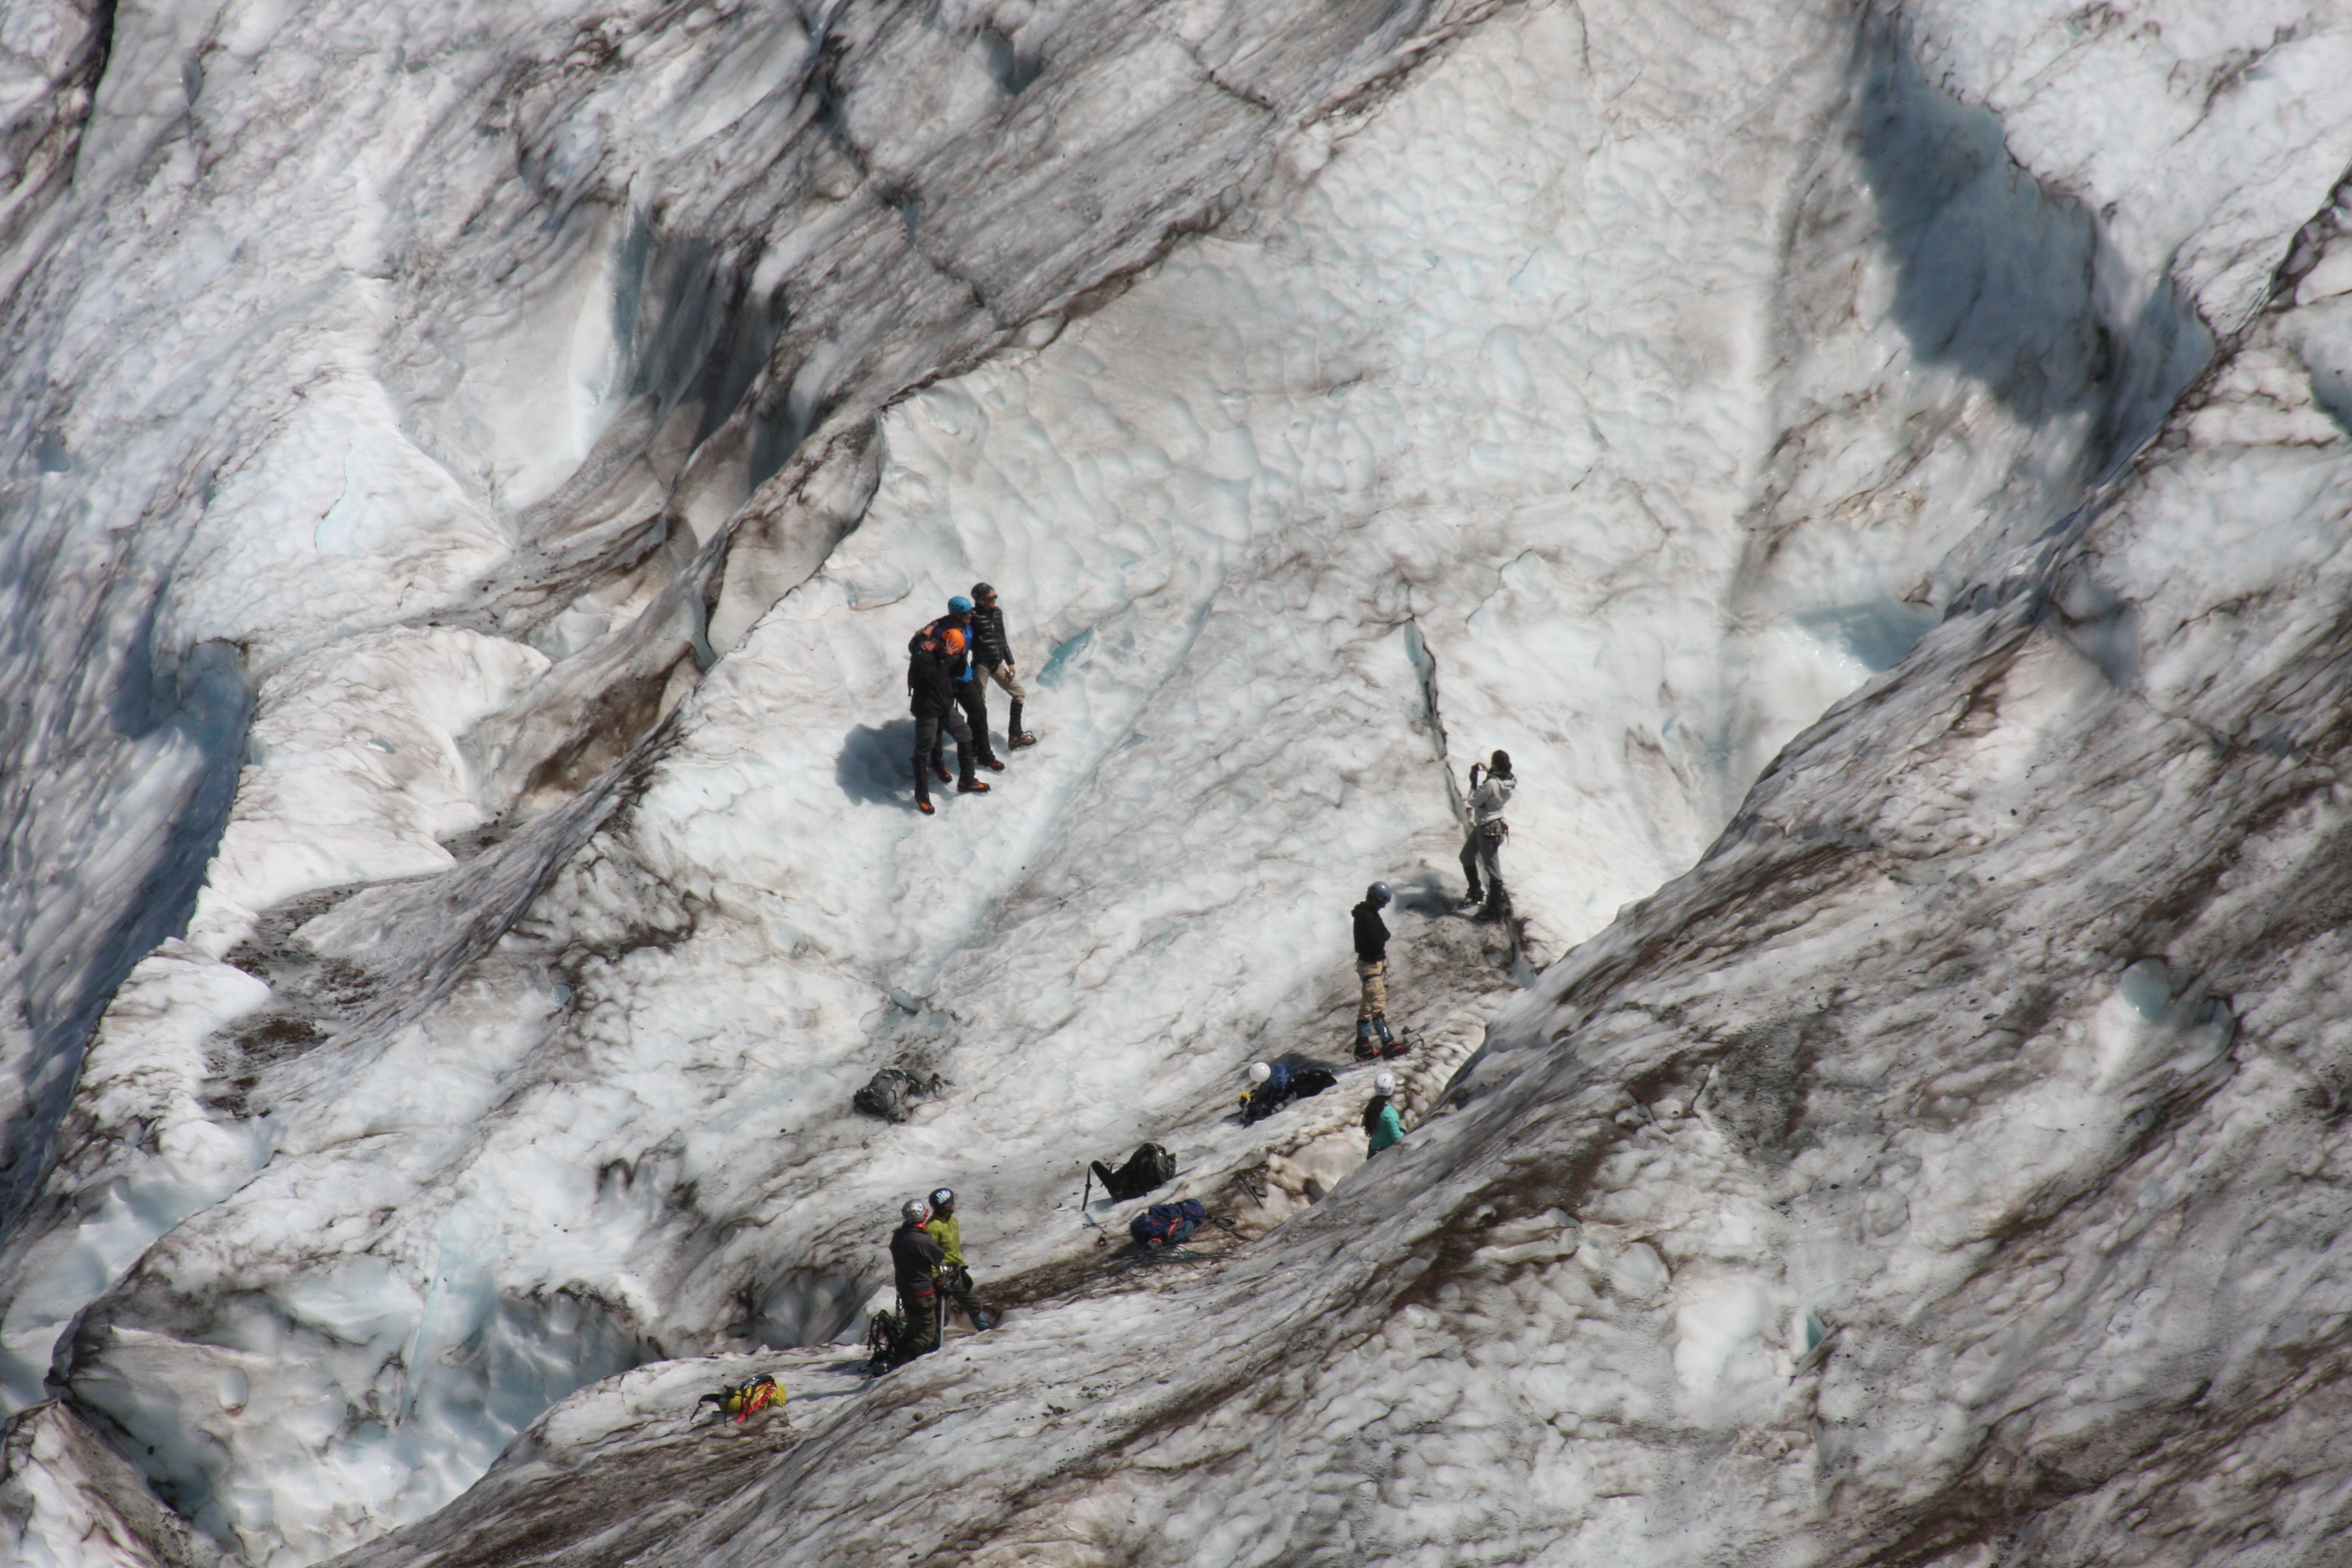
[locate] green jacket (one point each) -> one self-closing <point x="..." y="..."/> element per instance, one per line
<point x="1387" y="1131"/>
<point x="949" y="1234"/>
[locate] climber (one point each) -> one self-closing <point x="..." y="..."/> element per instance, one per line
<point x="1483" y="850"/>
<point x="1272" y="1085"/>
<point x="1372" y="969"/>
<point x="993" y="654"/>
<point x="915" y="1261"/>
<point x="1269" y="1087"/>
<point x="930" y="696"/>
<point x="955" y="1280"/>
<point x="970" y="694"/>
<point x="1381" y="1127"/>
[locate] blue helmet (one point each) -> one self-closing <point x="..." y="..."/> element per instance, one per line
<point x="959" y="606"/>
<point x="1378" y="893"/>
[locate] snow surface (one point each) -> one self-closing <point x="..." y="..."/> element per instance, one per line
<point x="1622" y="386"/>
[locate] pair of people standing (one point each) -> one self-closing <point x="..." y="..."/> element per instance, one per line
<point x="928" y="1266"/>
<point x="948" y="664"/>
<point x="1482" y="852"/>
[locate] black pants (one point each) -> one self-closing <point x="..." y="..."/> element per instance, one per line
<point x="929" y="750"/>
<point x="955" y="1285"/>
<point x="972" y="698"/>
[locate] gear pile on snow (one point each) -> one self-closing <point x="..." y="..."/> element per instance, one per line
<point x="888" y="1093"/>
<point x="746" y="1399"/>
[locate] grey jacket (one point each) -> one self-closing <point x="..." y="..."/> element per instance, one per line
<point x="1488" y="801"/>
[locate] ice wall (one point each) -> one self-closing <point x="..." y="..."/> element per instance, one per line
<point x="1620" y="387"/>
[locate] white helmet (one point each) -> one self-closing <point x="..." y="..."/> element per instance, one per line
<point x="913" y="1211"/>
<point x="1259" y="1072"/>
<point x="1384" y="1084"/>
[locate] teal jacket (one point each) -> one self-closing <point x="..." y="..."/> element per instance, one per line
<point x="1387" y="1130"/>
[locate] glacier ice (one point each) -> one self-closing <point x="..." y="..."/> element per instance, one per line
<point x="466" y="515"/>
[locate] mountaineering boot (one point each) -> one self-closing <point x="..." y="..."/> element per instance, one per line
<point x="990" y="759"/>
<point x="983" y="1321"/>
<point x="1381" y="1027"/>
<point x="939" y="769"/>
<point x="968" y="785"/>
<point x="1394" y="1048"/>
<point x="1365" y="1050"/>
<point x="1015" y="737"/>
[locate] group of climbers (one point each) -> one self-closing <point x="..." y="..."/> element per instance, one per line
<point x="950" y="663"/>
<point x="949" y="660"/>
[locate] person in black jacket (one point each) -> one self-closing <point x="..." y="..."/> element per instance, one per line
<point x="937" y="650"/>
<point x="1372" y="969"/>
<point x="915" y="1260"/>
<point x="993" y="654"/>
<point x="971" y="693"/>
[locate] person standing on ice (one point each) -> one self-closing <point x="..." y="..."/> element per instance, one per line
<point x="955" y="1280"/>
<point x="1483" y="850"/>
<point x="955" y="629"/>
<point x="1372" y="971"/>
<point x="1381" y="1127"/>
<point x="930" y="696"/>
<point x="915" y="1263"/>
<point x="993" y="654"/>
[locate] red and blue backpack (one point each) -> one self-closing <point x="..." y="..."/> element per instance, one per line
<point x="1168" y="1225"/>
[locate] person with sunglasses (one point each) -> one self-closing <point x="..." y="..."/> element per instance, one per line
<point x="991" y="653"/>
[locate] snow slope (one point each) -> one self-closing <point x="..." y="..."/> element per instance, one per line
<point x="1619" y="385"/>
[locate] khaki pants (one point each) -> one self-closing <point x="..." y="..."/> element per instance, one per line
<point x="1003" y="675"/>
<point x="1375" y="1002"/>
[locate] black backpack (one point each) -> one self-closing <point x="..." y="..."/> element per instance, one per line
<point x="886" y="1335"/>
<point x="1150" y="1166"/>
<point x="888" y="1093"/>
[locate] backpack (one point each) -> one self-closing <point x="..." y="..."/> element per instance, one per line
<point x="1168" y="1225"/>
<point x="1150" y="1166"/>
<point x="746" y="1399"/>
<point x="888" y="1093"/>
<point x="886" y="1333"/>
